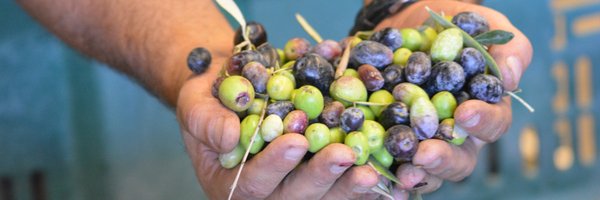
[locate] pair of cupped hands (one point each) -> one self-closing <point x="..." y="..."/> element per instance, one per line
<point x="278" y="172"/>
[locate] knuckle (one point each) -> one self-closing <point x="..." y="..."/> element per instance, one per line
<point x="252" y="189"/>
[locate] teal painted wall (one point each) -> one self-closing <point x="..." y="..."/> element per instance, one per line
<point x="94" y="134"/>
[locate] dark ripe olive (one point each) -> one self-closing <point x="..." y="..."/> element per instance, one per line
<point x="314" y="70"/>
<point x="270" y="54"/>
<point x="331" y="114"/>
<point x="401" y="142"/>
<point x="471" y="22"/>
<point x="461" y="97"/>
<point x="280" y="108"/>
<point x="199" y="60"/>
<point x="257" y="74"/>
<point x="352" y="119"/>
<point x="394" y="114"/>
<point x="256" y="34"/>
<point x="295" y="122"/>
<point x="487" y="88"/>
<point x="328" y="49"/>
<point x="372" y="53"/>
<point x="240" y="59"/>
<point x="389" y="37"/>
<point x="418" y="68"/>
<point x="371" y="77"/>
<point x="445" y="75"/>
<point x="296" y="48"/>
<point x="472" y="62"/>
<point x="392" y="76"/>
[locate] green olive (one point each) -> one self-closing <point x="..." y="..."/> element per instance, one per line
<point x="358" y="142"/>
<point x="408" y="92"/>
<point x="351" y="72"/>
<point x="367" y="112"/>
<point x="310" y="100"/>
<point x="271" y="127"/>
<point x="236" y="93"/>
<point x="411" y="39"/>
<point x="231" y="159"/>
<point x="247" y="128"/>
<point x="348" y="89"/>
<point x="447" y="45"/>
<point x="317" y="135"/>
<point x="256" y="107"/>
<point x="444" y="103"/>
<point x="375" y="134"/>
<point x="280" y="87"/>
<point x="336" y="135"/>
<point x="381" y="97"/>
<point x="428" y="34"/>
<point x="401" y="56"/>
<point x="384" y="157"/>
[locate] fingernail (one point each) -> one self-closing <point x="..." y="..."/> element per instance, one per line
<point x="294" y="154"/>
<point x="471" y="121"/>
<point x="515" y="66"/>
<point x="338" y="169"/>
<point x="436" y="163"/>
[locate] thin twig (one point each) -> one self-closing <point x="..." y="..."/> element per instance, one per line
<point x="381" y="192"/>
<point x="308" y="28"/>
<point x="339" y="71"/>
<point x="529" y="107"/>
<point x="237" y="177"/>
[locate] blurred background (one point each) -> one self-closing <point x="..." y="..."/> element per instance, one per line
<point x="70" y="128"/>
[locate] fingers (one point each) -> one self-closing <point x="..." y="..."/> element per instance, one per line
<point x="445" y="160"/>
<point x="313" y="179"/>
<point x="356" y="183"/>
<point x="485" y="121"/>
<point x="263" y="173"/>
<point x="415" y="178"/>
<point x="203" y="117"/>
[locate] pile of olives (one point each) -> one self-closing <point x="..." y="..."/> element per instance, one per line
<point x="400" y="87"/>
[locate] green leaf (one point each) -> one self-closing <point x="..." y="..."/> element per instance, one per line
<point x="364" y="35"/>
<point x="470" y="42"/>
<point x="383" y="170"/>
<point x="494" y="37"/>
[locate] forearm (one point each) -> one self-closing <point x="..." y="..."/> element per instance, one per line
<point x="146" y="39"/>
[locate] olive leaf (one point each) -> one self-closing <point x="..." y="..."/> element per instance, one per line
<point x="494" y="37"/>
<point x="469" y="41"/>
<point x="383" y="170"/>
<point x="231" y="7"/>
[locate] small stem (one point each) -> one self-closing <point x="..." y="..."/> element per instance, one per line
<point x="339" y="71"/>
<point x="381" y="192"/>
<point x="277" y="71"/>
<point x="237" y="177"/>
<point x="370" y="103"/>
<point x="308" y="28"/>
<point x="529" y="107"/>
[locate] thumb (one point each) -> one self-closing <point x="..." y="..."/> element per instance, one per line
<point x="203" y="117"/>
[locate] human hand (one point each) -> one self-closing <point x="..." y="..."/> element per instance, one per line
<point x="484" y="122"/>
<point x="209" y="129"/>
